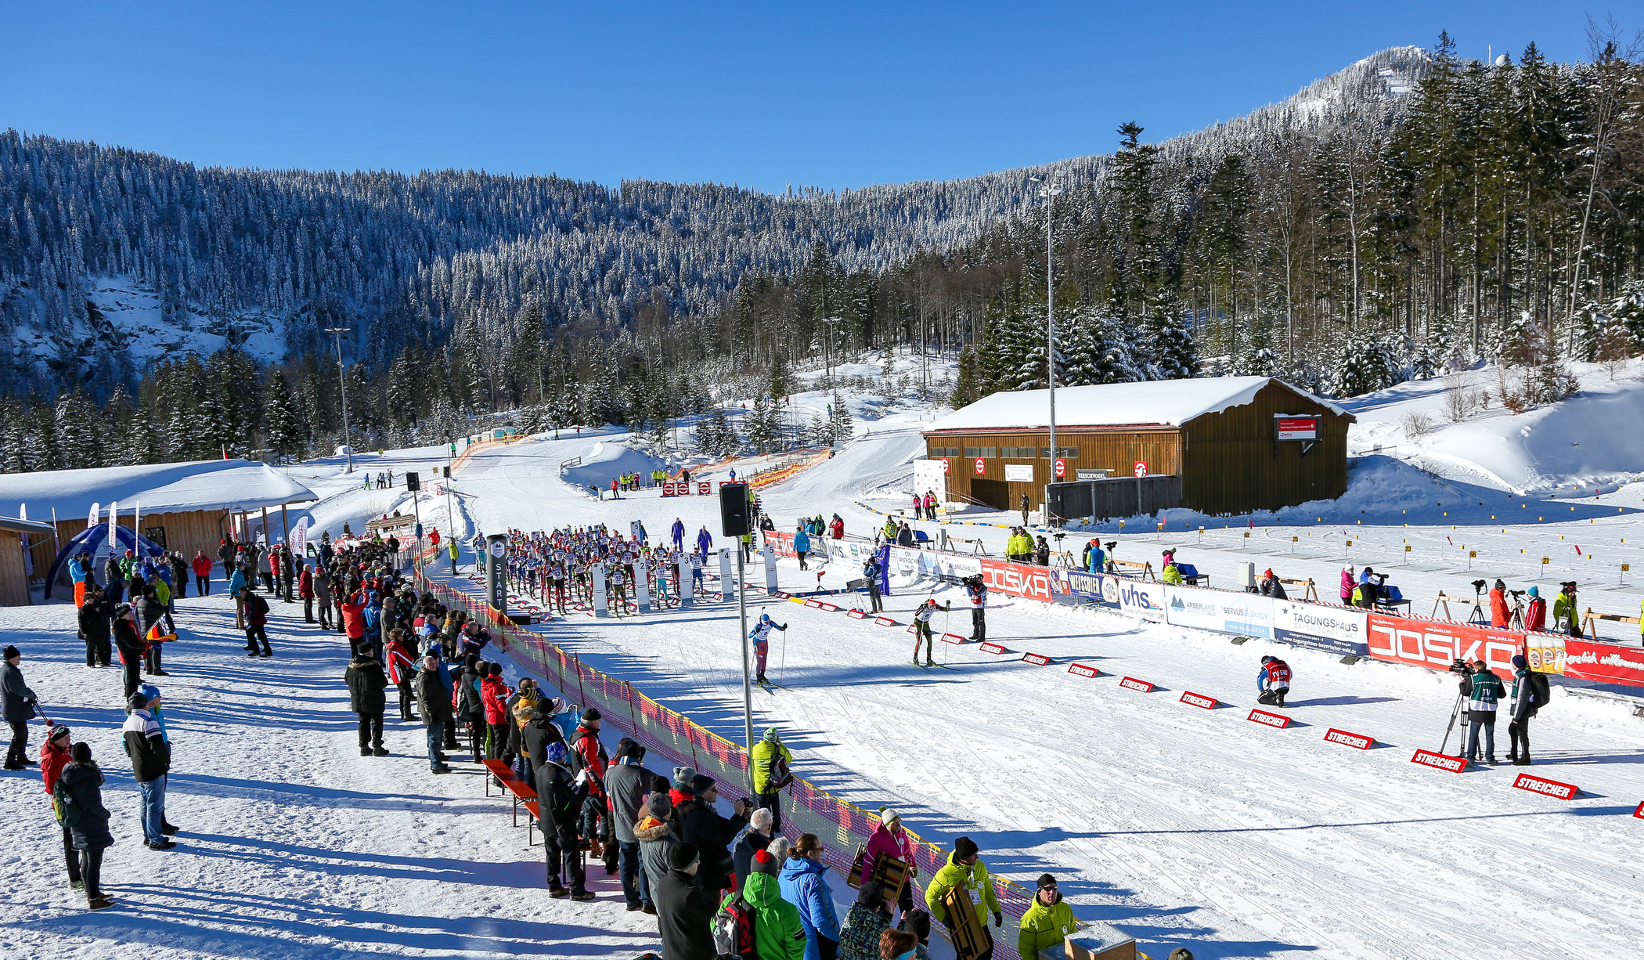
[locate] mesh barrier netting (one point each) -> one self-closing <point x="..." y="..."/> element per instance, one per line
<point x="806" y="808"/>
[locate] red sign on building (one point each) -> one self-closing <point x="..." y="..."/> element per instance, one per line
<point x="981" y="466"/>
<point x="1061" y="468"/>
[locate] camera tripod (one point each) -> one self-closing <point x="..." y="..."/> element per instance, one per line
<point x="1477" y="617"/>
<point x="1455" y="711"/>
<point x="1517" y="619"/>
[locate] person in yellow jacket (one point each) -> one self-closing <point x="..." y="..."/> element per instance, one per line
<point x="770" y="773"/>
<point x="1172" y="574"/>
<point x="965" y="869"/>
<point x="1047" y="923"/>
<point x="452" y="547"/>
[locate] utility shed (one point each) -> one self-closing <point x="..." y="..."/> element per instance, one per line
<point x="1239" y="444"/>
<point x="16" y="564"/>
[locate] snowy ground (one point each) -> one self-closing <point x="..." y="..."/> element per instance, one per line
<point x="1180" y="825"/>
<point x="293" y="845"/>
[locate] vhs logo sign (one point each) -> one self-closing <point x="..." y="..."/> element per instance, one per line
<point x="1142" y="600"/>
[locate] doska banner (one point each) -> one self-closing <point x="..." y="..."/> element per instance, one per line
<point x="1247" y="614"/>
<point x="1434" y="644"/>
<point x="1333" y="629"/>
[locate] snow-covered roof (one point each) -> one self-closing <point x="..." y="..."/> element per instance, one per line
<point x="1145" y="403"/>
<point x="156" y="488"/>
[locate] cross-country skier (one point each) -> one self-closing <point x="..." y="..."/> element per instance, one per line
<point x="761" y="636"/>
<point x="1273" y="681"/>
<point x="922" y="632"/>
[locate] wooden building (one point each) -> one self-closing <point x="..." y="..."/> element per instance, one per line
<point x="1239" y="444"/>
<point x="17" y="563"/>
<point x="181" y="506"/>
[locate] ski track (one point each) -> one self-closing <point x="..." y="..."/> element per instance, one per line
<point x="1182" y="826"/>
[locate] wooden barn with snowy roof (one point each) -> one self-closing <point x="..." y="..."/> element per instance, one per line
<point x="1238" y="444"/>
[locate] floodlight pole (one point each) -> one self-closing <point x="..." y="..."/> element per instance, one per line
<point x="1050" y="192"/>
<point x="342" y="386"/>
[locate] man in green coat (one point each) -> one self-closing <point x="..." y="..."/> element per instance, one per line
<point x="778" y="934"/>
<point x="1047" y="923"/>
<point x="965" y="869"/>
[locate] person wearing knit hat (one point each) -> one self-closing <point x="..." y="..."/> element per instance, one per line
<point x="964" y="869"/>
<point x="1047" y="922"/>
<point x="434" y="706"/>
<point x="684" y="909"/>
<point x="626" y="783"/>
<point x="654" y="831"/>
<point x="712" y="834"/>
<point x="18" y="708"/>
<point x="869" y="917"/>
<point x="770" y="761"/>
<point x="890" y="840"/>
<point x="1271" y="587"/>
<point x="1522" y="705"/>
<point x="679" y="788"/>
<point x="596" y="814"/>
<point x="55" y="754"/>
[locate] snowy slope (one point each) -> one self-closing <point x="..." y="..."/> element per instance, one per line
<point x="293" y="845"/>
<point x="1183" y="826"/>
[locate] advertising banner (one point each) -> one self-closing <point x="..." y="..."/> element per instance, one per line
<point x="1092" y="586"/>
<point x="1250" y="614"/>
<point x="1333" y="629"/>
<point x="1019" y="473"/>
<point x="1603" y="662"/>
<point x="1545" y="651"/>
<point x="1142" y="600"/>
<point x="781" y="543"/>
<point x="931" y="476"/>
<point x="1431" y="644"/>
<point x="1018" y="579"/>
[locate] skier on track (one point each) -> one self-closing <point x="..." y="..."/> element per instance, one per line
<point x="1273" y="681"/>
<point x="761" y="636"/>
<point x="922" y="631"/>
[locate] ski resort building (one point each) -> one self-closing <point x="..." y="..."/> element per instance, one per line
<point x="1237" y="444"/>
<point x="17" y="536"/>
<point x="181" y="506"/>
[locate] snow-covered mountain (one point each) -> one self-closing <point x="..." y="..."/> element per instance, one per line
<point x="276" y="256"/>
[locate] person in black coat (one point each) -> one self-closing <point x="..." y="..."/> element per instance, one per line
<point x="130" y="645"/>
<point x="685" y="909"/>
<point x="114" y="582"/>
<point x="434" y="704"/>
<point x="539" y="732"/>
<point x="94" y="629"/>
<point x="366" y="681"/>
<point x="559" y="804"/>
<point x="81" y="788"/>
<point x="700" y="824"/>
<point x="149" y="612"/>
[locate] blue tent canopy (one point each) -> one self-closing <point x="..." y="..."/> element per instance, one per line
<point x="94" y="540"/>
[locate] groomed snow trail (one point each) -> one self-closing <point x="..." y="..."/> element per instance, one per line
<point x="293" y="845"/>
<point x="1181" y="825"/>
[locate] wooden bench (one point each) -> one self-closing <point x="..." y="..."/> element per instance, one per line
<point x="521" y="792"/>
<point x="1311" y="593"/>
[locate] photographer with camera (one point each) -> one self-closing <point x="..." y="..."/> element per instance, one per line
<point x="977" y="591"/>
<point x="1566" y="618"/>
<point x="1484" y="691"/>
<point x="1499" y="617"/>
<point x="1369" y="584"/>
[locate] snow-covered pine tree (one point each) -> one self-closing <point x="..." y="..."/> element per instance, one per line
<point x="1170" y="351"/>
<point x="839" y="415"/>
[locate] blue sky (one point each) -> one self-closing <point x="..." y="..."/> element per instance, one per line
<point x="763" y="95"/>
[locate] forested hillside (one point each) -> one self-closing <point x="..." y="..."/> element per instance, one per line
<point x="1412" y="211"/>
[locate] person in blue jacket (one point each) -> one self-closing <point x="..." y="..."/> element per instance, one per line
<point x="678" y="532"/>
<point x="704" y="542"/>
<point x="1095" y="559"/>
<point x="804" y="884"/>
<point x="801" y="545"/>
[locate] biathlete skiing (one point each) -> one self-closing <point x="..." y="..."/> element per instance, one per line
<point x="761" y="636"/>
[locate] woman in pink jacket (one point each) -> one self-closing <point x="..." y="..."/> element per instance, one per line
<point x="891" y="840"/>
<point x="1348" y="583"/>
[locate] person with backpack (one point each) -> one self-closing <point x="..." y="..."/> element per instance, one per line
<point x="1530" y="692"/>
<point x="560" y="798"/>
<point x="869" y="917"/>
<point x="685" y="911"/>
<point x="871" y="571"/>
<point x="626" y="783"/>
<point x="55" y="754"/>
<point x="779" y="934"/>
<point x="771" y="760"/>
<point x="366" y="681"/>
<point x="78" y="795"/>
<point x="256" y="620"/>
<point x="805" y="886"/>
<point x="150" y="762"/>
<point x="1481" y="712"/>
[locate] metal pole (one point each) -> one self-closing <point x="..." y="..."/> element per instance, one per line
<point x="1050" y="192"/>
<point x="747" y="676"/>
<point x="342" y="386"/>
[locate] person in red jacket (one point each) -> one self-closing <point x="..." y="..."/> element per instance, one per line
<point x="890" y="840"/>
<point x="1499" y="615"/>
<point x="837" y="527"/>
<point x="353" y="618"/>
<point x="201" y="566"/>
<point x="494" y="694"/>
<point x="305" y="589"/>
<point x="1535" y="617"/>
<point x="589" y="754"/>
<point x="402" y="670"/>
<point x="55" y="754"/>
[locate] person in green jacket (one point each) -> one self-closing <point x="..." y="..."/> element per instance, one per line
<point x="778" y="934"/>
<point x="770" y="774"/>
<point x="1172" y="574"/>
<point x="965" y="869"/>
<point x="1564" y="606"/>
<point x="1047" y="923"/>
